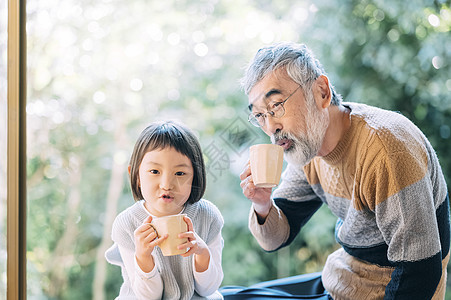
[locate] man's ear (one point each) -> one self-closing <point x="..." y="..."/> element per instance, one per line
<point x="129" y="168"/>
<point x="321" y="91"/>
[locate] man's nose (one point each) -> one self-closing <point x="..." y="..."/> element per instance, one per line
<point x="272" y="125"/>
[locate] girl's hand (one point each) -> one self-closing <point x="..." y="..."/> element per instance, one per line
<point x="145" y="241"/>
<point x="196" y="246"/>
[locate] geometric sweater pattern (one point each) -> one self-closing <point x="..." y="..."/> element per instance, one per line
<point x="384" y="183"/>
<point x="176" y="271"/>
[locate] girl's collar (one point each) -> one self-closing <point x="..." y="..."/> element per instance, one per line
<point x="141" y="203"/>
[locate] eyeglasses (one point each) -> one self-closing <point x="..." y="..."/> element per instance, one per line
<point x="274" y="109"/>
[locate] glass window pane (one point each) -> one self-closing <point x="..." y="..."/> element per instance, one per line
<point x="99" y="71"/>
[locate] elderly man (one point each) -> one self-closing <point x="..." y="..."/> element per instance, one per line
<point x="374" y="169"/>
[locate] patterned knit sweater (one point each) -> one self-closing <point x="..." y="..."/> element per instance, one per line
<point x="176" y="271"/>
<point x="384" y="183"/>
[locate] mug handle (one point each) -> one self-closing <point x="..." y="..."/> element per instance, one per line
<point x="150" y="225"/>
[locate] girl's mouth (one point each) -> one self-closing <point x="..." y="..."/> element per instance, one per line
<point x="166" y="198"/>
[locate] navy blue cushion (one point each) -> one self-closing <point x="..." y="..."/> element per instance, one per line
<point x="307" y="286"/>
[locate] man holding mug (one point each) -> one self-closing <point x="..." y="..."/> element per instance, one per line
<point x="373" y="168"/>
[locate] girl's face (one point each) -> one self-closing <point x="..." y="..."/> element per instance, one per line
<point x="165" y="178"/>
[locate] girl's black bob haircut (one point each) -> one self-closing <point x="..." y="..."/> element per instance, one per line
<point x="160" y="135"/>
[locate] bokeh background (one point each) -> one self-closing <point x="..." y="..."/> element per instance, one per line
<point x="100" y="71"/>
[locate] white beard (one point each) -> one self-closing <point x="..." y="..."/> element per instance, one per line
<point x="306" y="145"/>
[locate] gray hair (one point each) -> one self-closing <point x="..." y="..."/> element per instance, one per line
<point x="298" y="61"/>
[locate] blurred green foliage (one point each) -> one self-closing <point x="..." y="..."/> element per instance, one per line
<point x="99" y="71"/>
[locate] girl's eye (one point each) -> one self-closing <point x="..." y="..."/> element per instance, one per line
<point x="154" y="172"/>
<point x="180" y="173"/>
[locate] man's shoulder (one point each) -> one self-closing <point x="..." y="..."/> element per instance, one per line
<point x="390" y="130"/>
<point x="379" y="119"/>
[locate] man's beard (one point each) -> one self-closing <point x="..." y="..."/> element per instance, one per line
<point x="306" y="145"/>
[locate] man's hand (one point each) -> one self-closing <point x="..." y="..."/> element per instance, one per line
<point x="260" y="197"/>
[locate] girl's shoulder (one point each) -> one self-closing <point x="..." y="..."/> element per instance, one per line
<point x="127" y="221"/>
<point x="131" y="213"/>
<point x="207" y="204"/>
<point x="209" y="207"/>
<point x="206" y="209"/>
<point x="207" y="219"/>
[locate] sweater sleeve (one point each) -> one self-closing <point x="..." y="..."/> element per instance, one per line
<point x="207" y="282"/>
<point x="144" y="285"/>
<point x="294" y="204"/>
<point x="400" y="193"/>
<point x="273" y="233"/>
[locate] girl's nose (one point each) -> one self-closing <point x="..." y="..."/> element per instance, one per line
<point x="167" y="182"/>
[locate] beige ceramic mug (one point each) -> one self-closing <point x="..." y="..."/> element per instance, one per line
<point x="266" y="164"/>
<point x="172" y="226"/>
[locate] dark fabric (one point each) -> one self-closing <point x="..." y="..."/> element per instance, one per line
<point x="375" y="255"/>
<point x="444" y="226"/>
<point x="415" y="280"/>
<point x="297" y="213"/>
<point x="308" y="286"/>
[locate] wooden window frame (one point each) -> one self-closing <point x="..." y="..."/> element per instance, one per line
<point x="16" y="152"/>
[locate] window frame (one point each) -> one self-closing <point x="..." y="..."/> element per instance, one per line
<point x="16" y="151"/>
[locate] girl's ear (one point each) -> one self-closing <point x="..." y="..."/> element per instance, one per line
<point x="130" y="173"/>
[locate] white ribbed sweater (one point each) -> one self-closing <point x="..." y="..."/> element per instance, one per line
<point x="176" y="271"/>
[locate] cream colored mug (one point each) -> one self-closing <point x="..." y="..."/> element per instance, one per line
<point x="266" y="164"/>
<point x="172" y="226"/>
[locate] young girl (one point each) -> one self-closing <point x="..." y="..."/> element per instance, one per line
<point x="168" y="177"/>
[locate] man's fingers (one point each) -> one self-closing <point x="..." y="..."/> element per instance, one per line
<point x="247" y="181"/>
<point x="248" y="187"/>
<point x="246" y="172"/>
